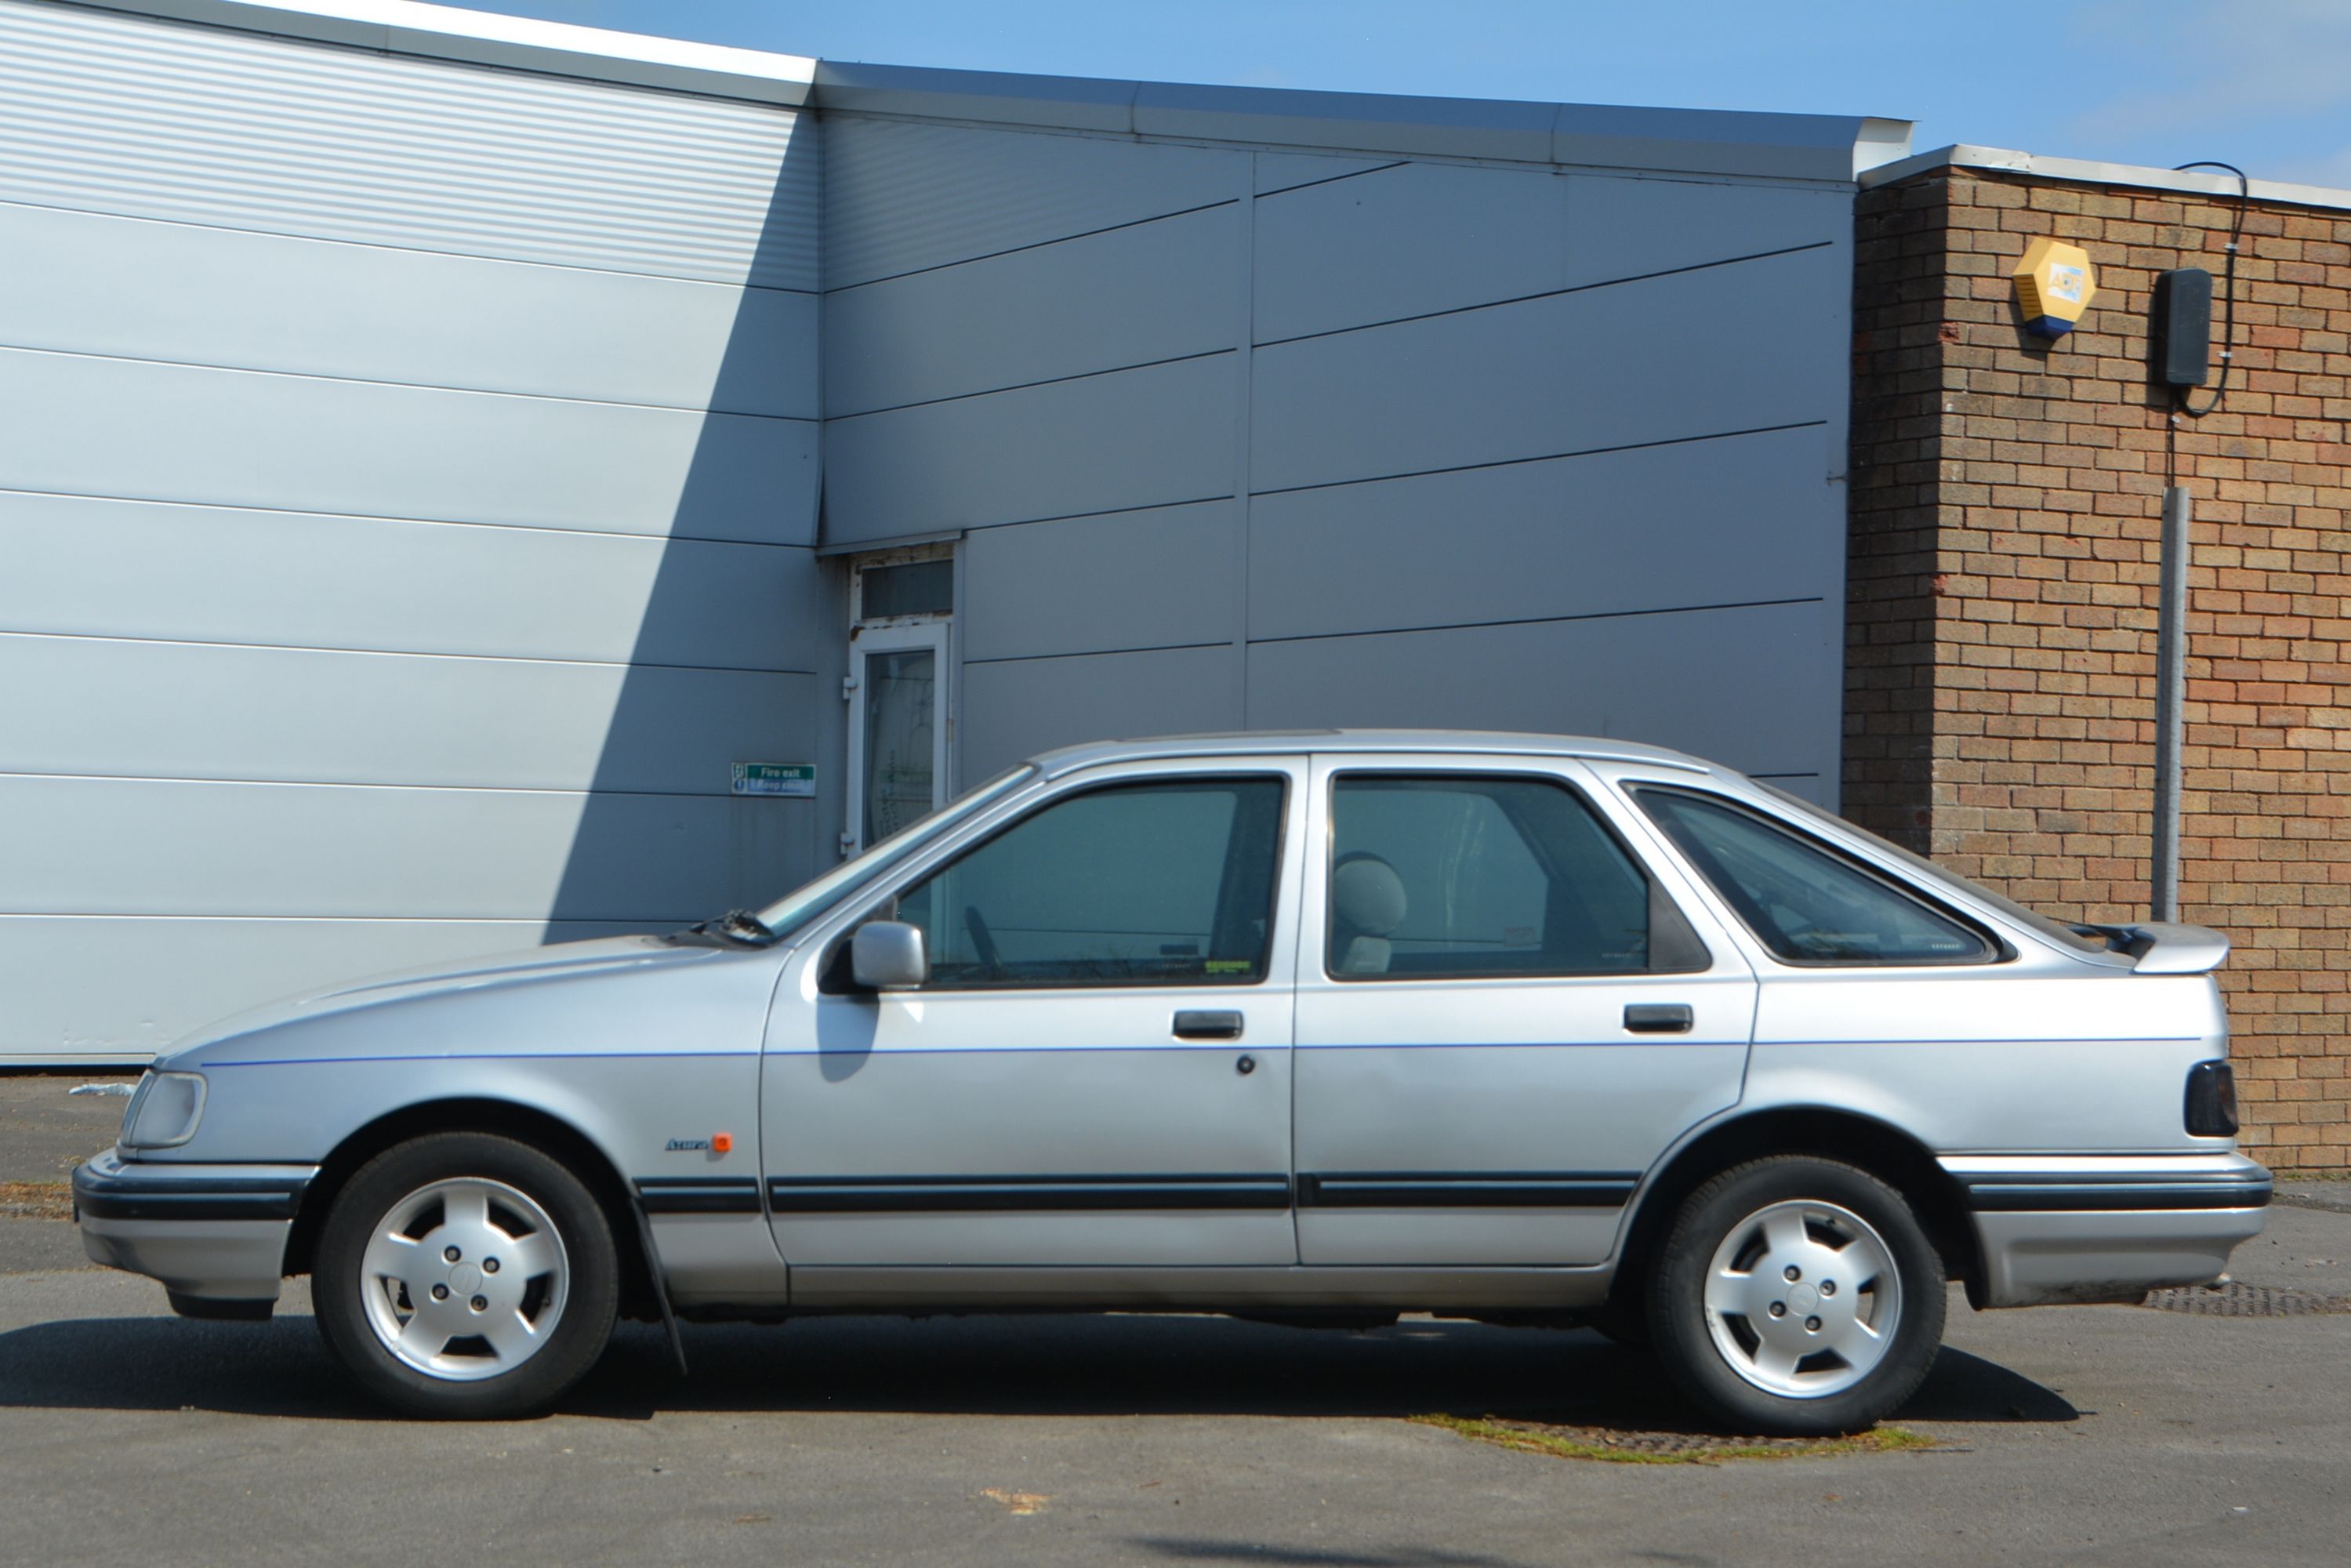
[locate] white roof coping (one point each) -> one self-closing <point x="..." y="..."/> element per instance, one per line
<point x="1819" y="147"/>
<point x="2088" y="172"/>
<point x="1679" y="140"/>
<point x="487" y="39"/>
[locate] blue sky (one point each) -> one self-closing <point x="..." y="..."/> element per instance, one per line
<point x="2263" y="83"/>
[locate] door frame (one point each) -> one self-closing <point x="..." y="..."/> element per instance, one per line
<point x="893" y="637"/>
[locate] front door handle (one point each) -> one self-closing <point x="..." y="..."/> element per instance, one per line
<point x="1659" y="1018"/>
<point x="1204" y="1024"/>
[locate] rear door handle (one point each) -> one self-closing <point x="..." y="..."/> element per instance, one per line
<point x="1659" y="1018"/>
<point x="1201" y="1024"/>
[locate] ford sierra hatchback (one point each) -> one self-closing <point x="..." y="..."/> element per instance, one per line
<point x="1319" y="1027"/>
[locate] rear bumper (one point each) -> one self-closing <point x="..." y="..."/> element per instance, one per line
<point x="215" y="1234"/>
<point x="2105" y="1227"/>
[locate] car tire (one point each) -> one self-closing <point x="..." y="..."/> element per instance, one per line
<point x="1797" y="1297"/>
<point x="467" y="1275"/>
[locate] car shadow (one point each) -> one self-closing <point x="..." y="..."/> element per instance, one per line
<point x="1077" y="1365"/>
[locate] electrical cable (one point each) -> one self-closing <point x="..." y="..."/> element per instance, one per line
<point x="2228" y="294"/>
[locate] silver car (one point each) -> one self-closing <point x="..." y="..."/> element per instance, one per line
<point x="1319" y="1027"/>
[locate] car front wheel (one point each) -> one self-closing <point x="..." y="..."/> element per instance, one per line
<point x="1798" y="1297"/>
<point x="468" y="1275"/>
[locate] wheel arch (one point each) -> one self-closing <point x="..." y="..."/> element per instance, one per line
<point x="1886" y="1151"/>
<point x="540" y="1129"/>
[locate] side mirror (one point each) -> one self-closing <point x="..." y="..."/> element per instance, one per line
<point x="885" y="954"/>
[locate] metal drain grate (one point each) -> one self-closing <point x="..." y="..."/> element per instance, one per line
<point x="2231" y="1299"/>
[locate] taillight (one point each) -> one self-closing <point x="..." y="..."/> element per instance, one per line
<point x="2211" y="1101"/>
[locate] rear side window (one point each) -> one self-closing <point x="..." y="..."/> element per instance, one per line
<point x="1455" y="876"/>
<point x="1802" y="901"/>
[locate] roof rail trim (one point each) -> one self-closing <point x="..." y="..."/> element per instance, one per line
<point x="489" y="39"/>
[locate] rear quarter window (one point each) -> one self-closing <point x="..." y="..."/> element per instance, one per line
<point x="1804" y="901"/>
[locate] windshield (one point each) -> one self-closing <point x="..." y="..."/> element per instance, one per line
<point x="794" y="909"/>
<point x="2057" y="931"/>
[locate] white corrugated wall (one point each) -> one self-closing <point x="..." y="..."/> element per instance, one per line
<point x="407" y="496"/>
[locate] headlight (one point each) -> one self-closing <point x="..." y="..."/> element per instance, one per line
<point x="164" y="1112"/>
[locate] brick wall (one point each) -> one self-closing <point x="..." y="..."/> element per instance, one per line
<point x="2002" y="619"/>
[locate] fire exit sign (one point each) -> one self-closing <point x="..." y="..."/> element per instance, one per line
<point x="793" y="779"/>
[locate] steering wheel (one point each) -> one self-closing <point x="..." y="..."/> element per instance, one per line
<point x="983" y="943"/>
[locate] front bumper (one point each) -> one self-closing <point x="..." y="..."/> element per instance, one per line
<point x="2105" y="1227"/>
<point x="215" y="1234"/>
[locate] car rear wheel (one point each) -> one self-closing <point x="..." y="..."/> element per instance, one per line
<point x="1798" y="1297"/>
<point x="465" y="1274"/>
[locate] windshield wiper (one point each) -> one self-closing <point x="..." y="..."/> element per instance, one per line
<point x="738" y="925"/>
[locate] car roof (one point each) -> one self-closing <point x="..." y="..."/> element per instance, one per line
<point x="1447" y="742"/>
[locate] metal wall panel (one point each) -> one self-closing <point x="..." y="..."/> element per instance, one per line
<point x="1405" y="241"/>
<point x="299" y="580"/>
<point x="1751" y="687"/>
<point x="242" y="438"/>
<point x="1019" y="708"/>
<point x="1727" y="349"/>
<point x="88" y="705"/>
<point x="900" y="195"/>
<point x="1150" y="291"/>
<point x="1156" y="579"/>
<point x="331" y="851"/>
<point x="1416" y="238"/>
<point x="1628" y="228"/>
<point x="87" y="283"/>
<point x="122" y="568"/>
<point x="1102" y="444"/>
<point x="1287" y="171"/>
<point x="374" y="559"/>
<point x="1734" y="520"/>
<point x="104" y="113"/>
<point x="162" y="977"/>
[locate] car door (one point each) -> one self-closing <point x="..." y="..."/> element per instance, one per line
<point x="1097" y="1071"/>
<point x="1505" y="1015"/>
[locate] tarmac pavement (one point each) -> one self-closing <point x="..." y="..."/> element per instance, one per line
<point x="2068" y="1436"/>
<point x="2075" y="1436"/>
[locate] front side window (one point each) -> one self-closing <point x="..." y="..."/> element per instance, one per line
<point x="1158" y="884"/>
<point x="1802" y="901"/>
<point x="1462" y="876"/>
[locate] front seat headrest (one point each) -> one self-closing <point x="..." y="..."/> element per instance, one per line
<point x="1367" y="895"/>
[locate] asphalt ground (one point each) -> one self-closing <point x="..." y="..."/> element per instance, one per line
<point x="2073" y="1435"/>
<point x="46" y="1129"/>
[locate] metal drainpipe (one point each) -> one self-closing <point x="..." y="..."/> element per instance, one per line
<point x="2170" y="702"/>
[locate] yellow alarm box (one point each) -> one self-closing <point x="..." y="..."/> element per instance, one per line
<point x="2054" y="284"/>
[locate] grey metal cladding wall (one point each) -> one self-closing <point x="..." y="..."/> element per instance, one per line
<point x="1543" y="450"/>
<point x="381" y="586"/>
<point x="96" y="284"/>
<point x="299" y="580"/>
<point x="185" y="712"/>
<point x="1415" y="238"/>
<point x="106" y="112"/>
<point x="1705" y="353"/>
<point x="1733" y="520"/>
<point x="1152" y="291"/>
<point x="1021" y="326"/>
<point x="1112" y="441"/>
<point x="1161" y="578"/>
<point x="1744" y="686"/>
<point x="158" y="973"/>
<point x="147" y="847"/>
<point x="248" y="438"/>
<point x="901" y="195"/>
<point x="1016" y="708"/>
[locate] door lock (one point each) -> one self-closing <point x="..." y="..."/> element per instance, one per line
<point x="1245" y="1066"/>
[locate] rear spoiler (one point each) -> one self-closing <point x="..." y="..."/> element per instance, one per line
<point x="2162" y="949"/>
